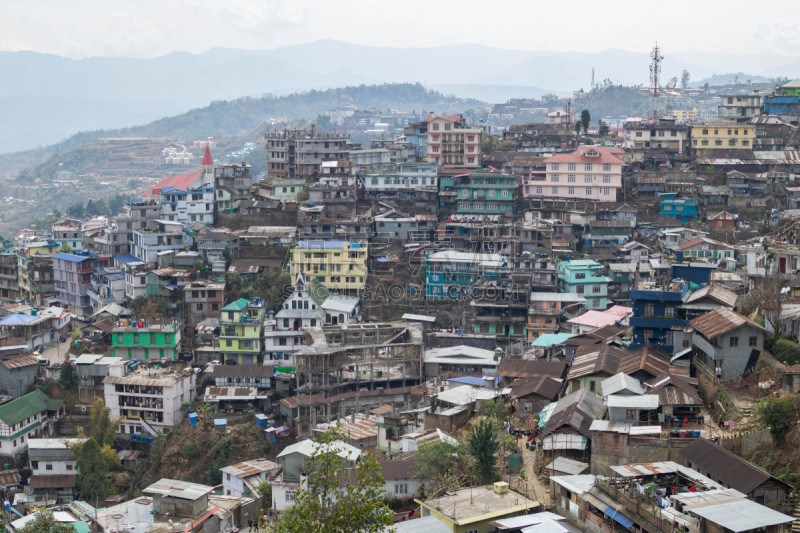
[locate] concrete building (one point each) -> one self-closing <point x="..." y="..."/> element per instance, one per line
<point x="739" y="107"/>
<point x="588" y="173"/>
<point x="451" y="142"/>
<point x="242" y="479"/>
<point x="644" y="140"/>
<point x="148" y="402"/>
<point x="146" y="341"/>
<point x="164" y="236"/>
<point x="53" y="467"/>
<point x="450" y="274"/>
<point x="584" y="277"/>
<point x="242" y="327"/>
<point x="722" y="136"/>
<point x="69" y="232"/>
<point x="401" y="180"/>
<point x="106" y="286"/>
<point x="655" y="314"/>
<point x="188" y="205"/>
<point x="298" y="154"/>
<point x="486" y="193"/>
<point x="9" y="281"/>
<point x="723" y="338"/>
<point x="341" y="266"/>
<point x="546" y="310"/>
<point x="27" y="417"/>
<point x="201" y="300"/>
<point x="232" y="182"/>
<point x="35" y="272"/>
<point x="72" y="277"/>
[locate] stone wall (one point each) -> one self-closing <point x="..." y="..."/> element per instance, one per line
<point x="743" y="444"/>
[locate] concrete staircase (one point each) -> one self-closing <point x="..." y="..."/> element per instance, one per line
<point x="796" y="515"/>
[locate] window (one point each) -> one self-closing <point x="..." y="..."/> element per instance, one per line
<point x="732" y="142"/>
<point x="606" y="179"/>
<point x="553" y="166"/>
<point x="704" y="143"/>
<point x="649" y="309"/>
<point x="630" y="414"/>
<point x="539" y="190"/>
<point x="606" y="167"/>
<point x="588" y="191"/>
<point x="733" y="342"/>
<point x="571" y="178"/>
<point x="606" y="191"/>
<point x="435" y="128"/>
<point x="753" y="341"/>
<point x="592" y="386"/>
<point x="705" y="132"/>
<point x="554" y="178"/>
<point x="290" y="493"/>
<point x="588" y="178"/>
<point x="48" y="466"/>
<point x="570" y="166"/>
<point x="595" y="289"/>
<point x="669" y="311"/>
<point x="136" y="338"/>
<point x="579" y="289"/>
<point x="555" y="190"/>
<point x="718" y="143"/>
<point x="401" y="488"/>
<point x="587" y="167"/>
<point x="571" y="190"/>
<point x="745" y="143"/>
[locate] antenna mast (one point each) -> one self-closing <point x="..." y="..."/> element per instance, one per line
<point x="655" y="74"/>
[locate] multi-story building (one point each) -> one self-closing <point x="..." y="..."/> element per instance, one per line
<point x="500" y="307"/>
<point x="417" y="134"/>
<point x="53" y="469"/>
<point x="149" y="402"/>
<point x="242" y="325"/>
<point x="546" y="309"/>
<point x="396" y="226"/>
<point x="655" y="314"/>
<point x="106" y="285"/>
<point x="739" y="107"/>
<point x="241" y="480"/>
<point x="282" y="189"/>
<point x="585" y="278"/>
<point x="338" y="193"/>
<point x="299" y="154"/>
<point x="486" y="193"/>
<point x="741" y="185"/>
<point x="451" y="142"/>
<point x="341" y="266"/>
<point x="69" y="232"/>
<point x="26" y="417"/>
<point x="9" y="280"/>
<point x="35" y="272"/>
<point x="588" y="173"/>
<point x="683" y="209"/>
<point x="146" y="341"/>
<point x="201" y="300"/>
<point x="401" y="181"/>
<point x="188" y="205"/>
<point x="664" y="136"/>
<point x="17" y="375"/>
<point x="146" y="243"/>
<point x="231" y="182"/>
<point x="450" y="274"/>
<point x="722" y="136"/>
<point x="72" y="277"/>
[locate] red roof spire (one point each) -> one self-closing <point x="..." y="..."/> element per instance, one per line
<point x="207" y="161"/>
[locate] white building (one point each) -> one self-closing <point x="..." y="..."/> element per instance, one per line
<point x="148" y="402"/>
<point x="27" y="417"/>
<point x="242" y="479"/>
<point x="52" y="464"/>
<point x="405" y="177"/>
<point x="148" y="242"/>
<point x="188" y="205"/>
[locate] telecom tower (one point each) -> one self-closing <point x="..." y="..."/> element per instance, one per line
<point x="655" y="74"/>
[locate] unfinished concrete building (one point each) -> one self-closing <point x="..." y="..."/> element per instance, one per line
<point x="352" y="368"/>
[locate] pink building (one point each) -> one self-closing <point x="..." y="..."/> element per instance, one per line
<point x="588" y="173"/>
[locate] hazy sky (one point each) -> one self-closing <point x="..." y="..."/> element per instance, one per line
<point x="146" y="28"/>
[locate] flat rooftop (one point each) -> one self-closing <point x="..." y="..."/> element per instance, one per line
<point x="471" y="503"/>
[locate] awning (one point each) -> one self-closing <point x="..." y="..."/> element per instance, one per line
<point x="618" y="517"/>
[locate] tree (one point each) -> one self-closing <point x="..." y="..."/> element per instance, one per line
<point x="767" y="295"/>
<point x="338" y="499"/>
<point x="44" y="522"/>
<point x="578" y="127"/>
<point x="602" y="127"/>
<point x="101" y="427"/>
<point x="447" y="464"/>
<point x="65" y="248"/>
<point x="673" y="82"/>
<point x="93" y="482"/>
<point x="586" y="119"/>
<point x="777" y="414"/>
<point x="68" y="377"/>
<point x="685" y="77"/>
<point x="483" y="446"/>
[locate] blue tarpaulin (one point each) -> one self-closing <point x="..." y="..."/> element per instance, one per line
<point x="618" y="517"/>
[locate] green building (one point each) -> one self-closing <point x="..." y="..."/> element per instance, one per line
<point x="242" y="329"/>
<point x="486" y="193"/>
<point x="146" y="341"/>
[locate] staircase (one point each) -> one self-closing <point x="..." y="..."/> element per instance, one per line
<point x="796" y="516"/>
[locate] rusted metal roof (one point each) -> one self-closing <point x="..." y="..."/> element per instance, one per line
<point x="545" y="386"/>
<point x="20" y="362"/>
<point x="720" y="321"/>
<point x="9" y="477"/>
<point x="52" y="482"/>
<point x="647" y="358"/>
<point x="250" y="468"/>
<point x="596" y="359"/>
<point x="522" y="368"/>
<point x="726" y="466"/>
<point x="673" y="389"/>
<point x="716" y="292"/>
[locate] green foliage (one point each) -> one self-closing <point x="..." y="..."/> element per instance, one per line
<point x="786" y="350"/>
<point x="777" y="414"/>
<point x="149" y="307"/>
<point x="190" y="451"/>
<point x="219" y="460"/>
<point x="68" y="377"/>
<point x="101" y="428"/>
<point x="331" y="506"/>
<point x="602" y="128"/>
<point x="685" y="78"/>
<point x="483" y="444"/>
<point x="445" y="464"/>
<point x="586" y="119"/>
<point x="93" y="483"/>
<point x="45" y="523"/>
<point x="270" y="283"/>
<point x="265" y="489"/>
<point x="497" y="409"/>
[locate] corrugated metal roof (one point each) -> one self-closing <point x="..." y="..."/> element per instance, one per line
<point x="718" y="293"/>
<point x="720" y="321"/>
<point x="250" y="468"/>
<point x="567" y="466"/>
<point x="743" y="515"/>
<point x="627" y="401"/>
<point x="620" y="382"/>
<point x="596" y="359"/>
<point x="178" y="489"/>
<point x="647" y="358"/>
<point x="20" y="362"/>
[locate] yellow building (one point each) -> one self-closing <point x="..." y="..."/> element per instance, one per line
<point x="472" y="509"/>
<point x="340" y="266"/>
<point x="723" y="136"/>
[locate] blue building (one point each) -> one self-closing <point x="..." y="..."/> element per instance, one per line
<point x="683" y="209"/>
<point x="451" y="274"/>
<point x="655" y="313"/>
<point x="417" y="135"/>
<point x="776" y="104"/>
<point x="699" y="273"/>
<point x="585" y="277"/>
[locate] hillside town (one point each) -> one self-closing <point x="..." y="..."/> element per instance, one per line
<point x="572" y="325"/>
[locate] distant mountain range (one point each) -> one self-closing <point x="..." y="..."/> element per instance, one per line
<point x="46" y="98"/>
